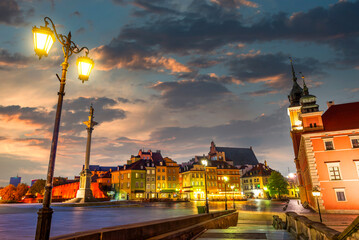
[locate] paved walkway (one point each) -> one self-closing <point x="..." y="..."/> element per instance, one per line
<point x="247" y="229"/>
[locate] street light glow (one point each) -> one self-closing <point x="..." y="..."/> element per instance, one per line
<point x="316" y="193"/>
<point x="204" y="162"/>
<point x="44" y="38"/>
<point x="84" y="67"/>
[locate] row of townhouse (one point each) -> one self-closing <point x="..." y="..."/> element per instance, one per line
<point x="229" y="171"/>
<point x="147" y="175"/>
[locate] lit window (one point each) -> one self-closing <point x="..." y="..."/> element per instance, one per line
<point x="329" y="145"/>
<point x="128" y="175"/>
<point x="334" y="171"/>
<point x="163" y="185"/>
<point x="340" y="193"/>
<point x="355" y="142"/>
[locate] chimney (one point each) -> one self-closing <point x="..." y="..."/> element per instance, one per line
<point x="265" y="162"/>
<point x="124" y="167"/>
<point x="250" y="147"/>
<point x="330" y="103"/>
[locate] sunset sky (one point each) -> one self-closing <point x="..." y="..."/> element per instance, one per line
<point x="169" y="75"/>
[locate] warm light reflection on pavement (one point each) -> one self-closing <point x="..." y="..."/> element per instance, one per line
<point x="17" y="221"/>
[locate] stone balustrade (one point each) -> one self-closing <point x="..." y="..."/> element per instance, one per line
<point x="173" y="228"/>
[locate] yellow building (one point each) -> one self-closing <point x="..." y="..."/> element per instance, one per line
<point x="255" y="180"/>
<point x="193" y="180"/>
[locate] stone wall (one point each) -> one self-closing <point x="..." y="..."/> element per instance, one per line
<point x="351" y="232"/>
<point x="172" y="228"/>
<point x="303" y="228"/>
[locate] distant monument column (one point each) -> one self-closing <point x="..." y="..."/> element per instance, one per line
<point x="84" y="194"/>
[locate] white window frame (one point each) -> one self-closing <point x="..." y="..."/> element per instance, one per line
<point x="340" y="190"/>
<point x="328" y="140"/>
<point x="353" y="138"/>
<point x="356" y="162"/>
<point x="334" y="164"/>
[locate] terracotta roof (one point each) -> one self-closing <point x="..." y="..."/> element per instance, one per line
<point x="341" y="117"/>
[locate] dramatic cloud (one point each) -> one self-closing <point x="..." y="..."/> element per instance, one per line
<point x="271" y="69"/>
<point x="10" y="13"/>
<point x="128" y="55"/>
<point x="16" y="60"/>
<point x="191" y="94"/>
<point x="201" y="32"/>
<point x="235" y="3"/>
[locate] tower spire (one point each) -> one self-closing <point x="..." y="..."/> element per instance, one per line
<point x="305" y="88"/>
<point x="293" y="72"/>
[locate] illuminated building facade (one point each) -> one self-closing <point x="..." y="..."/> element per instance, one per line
<point x="254" y="181"/>
<point x="193" y="179"/>
<point x="147" y="175"/>
<point x="326" y="151"/>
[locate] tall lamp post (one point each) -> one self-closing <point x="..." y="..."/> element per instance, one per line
<point x="225" y="191"/>
<point x="234" y="205"/>
<point x="316" y="194"/>
<point x="44" y="37"/>
<point x="205" y="163"/>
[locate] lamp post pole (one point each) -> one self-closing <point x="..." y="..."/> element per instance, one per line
<point x="225" y="178"/>
<point x="320" y="215"/>
<point x="205" y="183"/>
<point x="316" y="194"/>
<point x="45" y="213"/>
<point x="234" y="205"/>
<point x="225" y="195"/>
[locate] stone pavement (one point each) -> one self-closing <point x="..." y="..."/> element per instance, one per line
<point x="247" y="229"/>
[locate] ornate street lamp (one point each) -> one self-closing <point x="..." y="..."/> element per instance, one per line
<point x="316" y="194"/>
<point x="234" y="205"/>
<point x="205" y="163"/>
<point x="225" y="191"/>
<point x="44" y="37"/>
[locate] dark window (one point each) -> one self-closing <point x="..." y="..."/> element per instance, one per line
<point x="311" y="125"/>
<point x="340" y="196"/>
<point x="329" y="145"/>
<point x="315" y="125"/>
<point x="355" y="143"/>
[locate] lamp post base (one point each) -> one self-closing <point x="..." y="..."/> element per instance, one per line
<point x="43" y="223"/>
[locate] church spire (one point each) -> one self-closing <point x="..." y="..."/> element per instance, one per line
<point x="296" y="92"/>
<point x="305" y="88"/>
<point x="293" y="72"/>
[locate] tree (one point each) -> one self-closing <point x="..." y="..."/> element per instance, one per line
<point x="38" y="187"/>
<point x="277" y="184"/>
<point x="11" y="193"/>
<point x="7" y="193"/>
<point x="20" y="191"/>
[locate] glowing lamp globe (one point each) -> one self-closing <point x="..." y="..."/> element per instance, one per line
<point x="84" y="67"/>
<point x="232" y="187"/>
<point x="204" y="162"/>
<point x="225" y="179"/>
<point x="316" y="193"/>
<point x="43" y="40"/>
